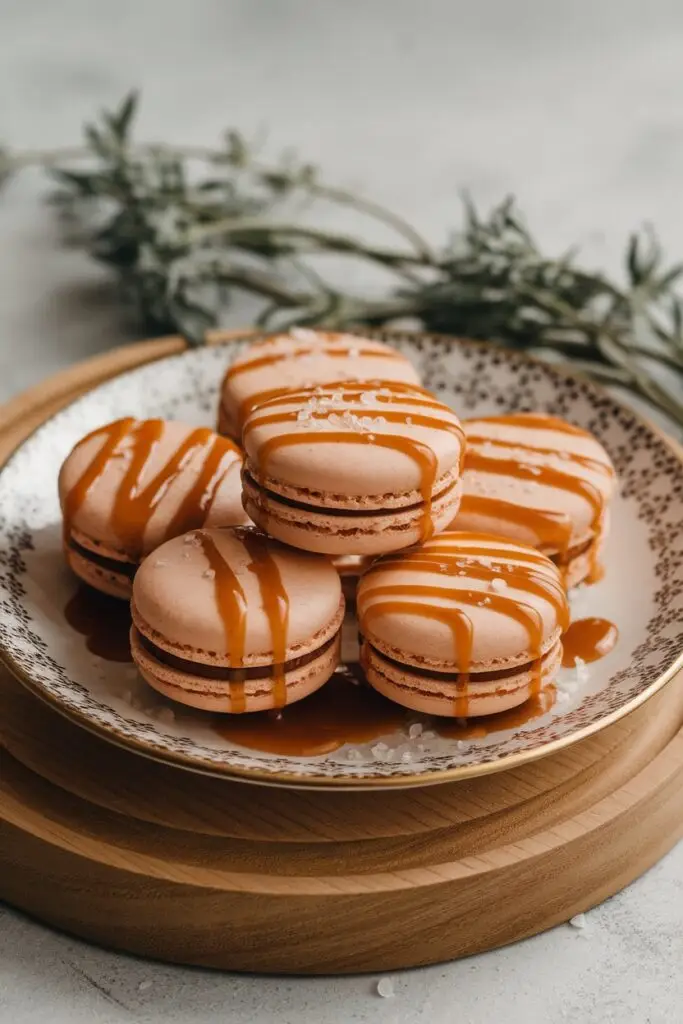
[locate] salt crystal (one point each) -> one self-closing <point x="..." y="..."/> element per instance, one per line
<point x="582" y="672"/>
<point x="415" y="731"/>
<point x="209" y="574"/>
<point x="498" y="585"/>
<point x="371" y="437"/>
<point x="579" y="921"/>
<point x="144" y="985"/>
<point x="409" y="420"/>
<point x="406" y="756"/>
<point x="381" y="747"/>
<point x="428" y="735"/>
<point x="368" y="397"/>
<point x="460" y="745"/>
<point x="303" y="334"/>
<point x="192" y="538"/>
<point x="160" y="563"/>
<point x="385" y="988"/>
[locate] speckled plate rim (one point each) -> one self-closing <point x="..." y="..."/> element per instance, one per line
<point x="297" y="781"/>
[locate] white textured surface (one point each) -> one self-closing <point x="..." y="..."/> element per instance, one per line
<point x="576" y="108"/>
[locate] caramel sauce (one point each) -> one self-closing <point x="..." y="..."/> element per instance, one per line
<point x="514" y="718"/>
<point x="551" y="529"/>
<point x="588" y="639"/>
<point x="104" y="622"/>
<point x="134" y="506"/>
<point x="339" y="713"/>
<point x="275" y="604"/>
<point x="420" y="453"/>
<point x="232" y="605"/>
<point x="461" y="555"/>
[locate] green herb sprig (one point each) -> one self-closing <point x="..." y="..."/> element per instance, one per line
<point x="185" y="227"/>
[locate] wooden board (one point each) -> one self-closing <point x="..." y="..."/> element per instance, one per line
<point x="168" y="864"/>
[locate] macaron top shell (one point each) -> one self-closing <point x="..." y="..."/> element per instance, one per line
<point x="463" y="602"/>
<point x="350" y="442"/>
<point x="133" y="483"/>
<point x="305" y="357"/>
<point x="236" y="597"/>
<point x="536" y="479"/>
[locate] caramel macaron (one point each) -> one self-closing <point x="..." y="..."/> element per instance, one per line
<point x="466" y="625"/>
<point x="132" y="484"/>
<point x="302" y="358"/>
<point x="232" y="621"/>
<point x="541" y="481"/>
<point x="353" y="469"/>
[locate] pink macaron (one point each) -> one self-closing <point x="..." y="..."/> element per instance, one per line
<point x="132" y="484"/>
<point x="542" y="481"/>
<point x="466" y="625"/>
<point x="286" y="362"/>
<point x="354" y="469"/>
<point x="232" y="621"/>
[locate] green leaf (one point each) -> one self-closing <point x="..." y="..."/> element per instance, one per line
<point x="121" y="119"/>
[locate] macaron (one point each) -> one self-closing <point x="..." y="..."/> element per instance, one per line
<point x="231" y="621"/>
<point x="353" y="469"/>
<point x="301" y="358"/>
<point x="466" y="625"/>
<point x="132" y="484"/>
<point x="542" y="481"/>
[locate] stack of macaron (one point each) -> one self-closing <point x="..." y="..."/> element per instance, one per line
<point x="332" y="463"/>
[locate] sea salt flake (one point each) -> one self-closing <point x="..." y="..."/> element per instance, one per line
<point x="406" y="756"/>
<point x="414" y="731"/>
<point x="579" y="921"/>
<point x="385" y="988"/>
<point x="409" y="420"/>
<point x="209" y="574"/>
<point x="368" y="397"/>
<point x="498" y="585"/>
<point x="303" y="334"/>
<point x="159" y="563"/>
<point x="145" y="985"/>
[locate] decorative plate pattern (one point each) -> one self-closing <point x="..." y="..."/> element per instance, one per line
<point x="642" y="591"/>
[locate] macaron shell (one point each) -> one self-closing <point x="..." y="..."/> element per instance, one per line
<point x="217" y="696"/>
<point x="175" y="602"/>
<point x="517" y="439"/>
<point x="339" y="534"/>
<point x="499" y="638"/>
<point x="308" y="357"/>
<point x="433" y="696"/>
<point x="382" y="463"/>
<point x="94" y="518"/>
<point x="103" y="579"/>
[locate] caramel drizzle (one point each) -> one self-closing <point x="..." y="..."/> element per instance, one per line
<point x="232" y="608"/>
<point x="133" y="507"/>
<point x="447" y="557"/>
<point x="588" y="639"/>
<point x="419" y="452"/>
<point x="552" y="529"/>
<point x="276" y="606"/>
<point x="252" y="402"/>
<point x="113" y="435"/>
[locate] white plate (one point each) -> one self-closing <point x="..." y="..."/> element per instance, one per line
<point x="642" y="592"/>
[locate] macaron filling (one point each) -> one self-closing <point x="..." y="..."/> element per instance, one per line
<point x="451" y="675"/>
<point x="223" y="673"/>
<point x="124" y="568"/>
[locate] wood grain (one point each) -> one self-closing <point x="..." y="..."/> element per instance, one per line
<point x="169" y="864"/>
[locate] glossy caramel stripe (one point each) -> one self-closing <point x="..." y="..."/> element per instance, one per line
<point x="196" y="505"/>
<point x="113" y="435"/>
<point x="527" y="580"/>
<point x="133" y="507"/>
<point x="276" y="605"/>
<point x="390" y="416"/>
<point x="588" y="639"/>
<point x="582" y="460"/>
<point x="232" y="606"/>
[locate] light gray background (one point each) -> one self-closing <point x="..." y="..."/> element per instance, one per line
<point x="577" y="108"/>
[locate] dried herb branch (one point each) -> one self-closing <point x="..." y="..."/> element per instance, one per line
<point x="185" y="227"/>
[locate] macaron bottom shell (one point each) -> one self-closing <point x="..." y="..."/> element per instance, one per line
<point x="224" y="696"/>
<point x="334" y="531"/>
<point x="486" y="693"/>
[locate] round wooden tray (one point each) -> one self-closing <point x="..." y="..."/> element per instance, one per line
<point x="168" y="864"/>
